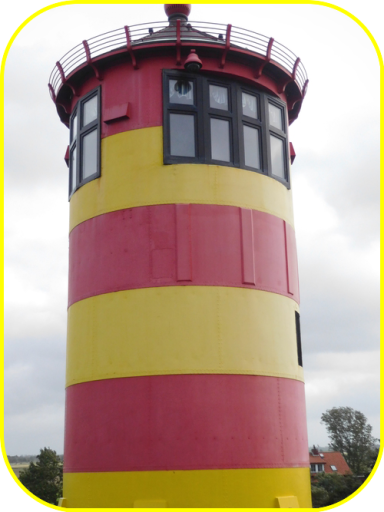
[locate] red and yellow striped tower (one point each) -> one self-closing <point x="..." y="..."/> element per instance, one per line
<point x="184" y="373"/>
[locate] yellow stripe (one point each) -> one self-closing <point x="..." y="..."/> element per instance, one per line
<point x="204" y="488"/>
<point x="181" y="330"/>
<point x="134" y="175"/>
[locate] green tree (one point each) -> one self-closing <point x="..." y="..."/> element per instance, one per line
<point x="332" y="488"/>
<point x="44" y="478"/>
<point x="351" y="435"/>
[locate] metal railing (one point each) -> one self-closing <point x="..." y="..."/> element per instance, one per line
<point x="162" y="32"/>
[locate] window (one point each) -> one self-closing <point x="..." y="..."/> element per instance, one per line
<point x="334" y="468"/>
<point x="225" y="123"/>
<point x="84" y="145"/>
<point x="298" y="341"/>
<point x="317" y="468"/>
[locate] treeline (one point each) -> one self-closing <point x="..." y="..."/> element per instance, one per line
<point x="18" y="459"/>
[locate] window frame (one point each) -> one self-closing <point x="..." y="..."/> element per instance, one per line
<point x="204" y="113"/>
<point x="317" y="468"/>
<point x="179" y="108"/>
<point x="279" y="134"/>
<point x="298" y="339"/>
<point x="77" y="142"/>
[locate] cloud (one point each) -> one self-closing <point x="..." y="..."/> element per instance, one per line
<point x="341" y="380"/>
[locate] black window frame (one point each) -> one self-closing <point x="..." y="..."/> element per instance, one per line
<point x="298" y="339"/>
<point x="77" y="142"/>
<point x="279" y="134"/>
<point x="204" y="113"/>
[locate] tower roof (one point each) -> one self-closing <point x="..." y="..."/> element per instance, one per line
<point x="227" y="42"/>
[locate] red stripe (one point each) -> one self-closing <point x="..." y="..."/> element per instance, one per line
<point x="204" y="245"/>
<point x="185" y="422"/>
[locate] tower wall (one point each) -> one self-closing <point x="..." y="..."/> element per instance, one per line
<point x="183" y="382"/>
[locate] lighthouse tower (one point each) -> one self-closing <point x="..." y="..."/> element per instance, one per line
<point x="184" y="384"/>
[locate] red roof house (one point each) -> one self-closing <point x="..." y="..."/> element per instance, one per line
<point x="328" y="462"/>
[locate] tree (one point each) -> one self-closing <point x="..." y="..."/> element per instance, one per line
<point x="44" y="478"/>
<point x="351" y="435"/>
<point x="332" y="488"/>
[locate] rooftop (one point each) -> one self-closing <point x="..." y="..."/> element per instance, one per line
<point x="228" y="40"/>
<point x="331" y="460"/>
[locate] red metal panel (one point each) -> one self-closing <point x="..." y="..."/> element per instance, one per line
<point x="291" y="257"/>
<point x="183" y="242"/>
<point x="247" y="246"/>
<point x="139" y="248"/>
<point x="185" y="422"/>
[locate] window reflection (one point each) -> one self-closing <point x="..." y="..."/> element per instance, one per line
<point x="74" y="128"/>
<point x="218" y="97"/>
<point x="251" y="147"/>
<point x="73" y="169"/>
<point x="181" y="92"/>
<point x="277" y="157"/>
<point x="275" y="116"/>
<point x="89" y="166"/>
<point x="90" y="111"/>
<point x="220" y="140"/>
<point x="249" y="104"/>
<point x="182" y="134"/>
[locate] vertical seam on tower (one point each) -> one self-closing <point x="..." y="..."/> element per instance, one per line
<point x="287" y="259"/>
<point x="280" y="422"/>
<point x="149" y="226"/>
<point x="92" y="340"/>
<point x="247" y="247"/>
<point x="219" y="334"/>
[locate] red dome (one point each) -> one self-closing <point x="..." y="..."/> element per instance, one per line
<point x="172" y="9"/>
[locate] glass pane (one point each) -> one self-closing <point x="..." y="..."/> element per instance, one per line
<point x="73" y="170"/>
<point x="251" y="147"/>
<point x="90" y="111"/>
<point x="89" y="160"/>
<point x="182" y="133"/>
<point x="220" y="140"/>
<point x="277" y="157"/>
<point x="74" y="128"/>
<point x="249" y="105"/>
<point x="218" y="97"/>
<point x="275" y="116"/>
<point x="181" y="92"/>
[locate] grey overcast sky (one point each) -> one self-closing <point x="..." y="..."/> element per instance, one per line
<point x="335" y="182"/>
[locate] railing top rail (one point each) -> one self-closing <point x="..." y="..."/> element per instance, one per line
<point x="161" y="31"/>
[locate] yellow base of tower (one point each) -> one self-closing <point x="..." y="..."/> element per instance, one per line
<point x="229" y="488"/>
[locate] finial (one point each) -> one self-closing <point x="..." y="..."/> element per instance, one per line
<point x="177" y="11"/>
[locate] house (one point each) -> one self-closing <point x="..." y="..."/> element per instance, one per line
<point x="328" y="462"/>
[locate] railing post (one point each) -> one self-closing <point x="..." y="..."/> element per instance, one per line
<point x="269" y="49"/>
<point x="227" y="45"/>
<point x="260" y="68"/>
<point x="52" y="92"/>
<point x="61" y="71"/>
<point x="87" y="52"/>
<point x="129" y="47"/>
<point x="295" y="68"/>
<point x="89" y="59"/>
<point x="178" y="42"/>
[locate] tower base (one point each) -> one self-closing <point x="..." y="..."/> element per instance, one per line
<point x="264" y="488"/>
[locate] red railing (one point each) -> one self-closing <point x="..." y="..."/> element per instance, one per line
<point x="162" y="32"/>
